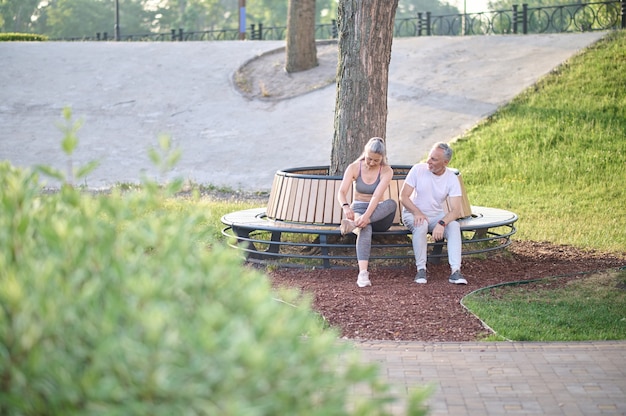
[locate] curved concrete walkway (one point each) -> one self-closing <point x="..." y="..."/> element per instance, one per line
<point x="129" y="93"/>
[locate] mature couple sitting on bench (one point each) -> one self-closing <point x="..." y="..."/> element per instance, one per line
<point x="423" y="198"/>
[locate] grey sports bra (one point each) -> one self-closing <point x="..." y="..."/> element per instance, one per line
<point x="364" y="188"/>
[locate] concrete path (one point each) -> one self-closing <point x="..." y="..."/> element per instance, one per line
<point x="130" y="93"/>
<point x="507" y="378"/>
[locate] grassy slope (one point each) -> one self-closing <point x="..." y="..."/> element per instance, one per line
<point x="556" y="155"/>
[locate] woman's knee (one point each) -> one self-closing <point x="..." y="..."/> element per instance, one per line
<point x="393" y="205"/>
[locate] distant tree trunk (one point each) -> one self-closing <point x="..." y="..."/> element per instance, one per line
<point x="301" y="51"/>
<point x="365" y="37"/>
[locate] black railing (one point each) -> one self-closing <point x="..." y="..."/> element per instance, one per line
<point x="256" y="32"/>
<point x="581" y="17"/>
<point x="604" y="15"/>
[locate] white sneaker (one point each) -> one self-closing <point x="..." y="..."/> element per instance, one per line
<point x="363" y="279"/>
<point x="347" y="226"/>
<point x="457" y="278"/>
<point x="420" y="277"/>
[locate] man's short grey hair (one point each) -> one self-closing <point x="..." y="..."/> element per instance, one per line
<point x="447" y="150"/>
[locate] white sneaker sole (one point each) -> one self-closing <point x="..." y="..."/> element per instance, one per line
<point x="363" y="283"/>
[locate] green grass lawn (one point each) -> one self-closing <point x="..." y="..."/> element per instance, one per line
<point x="580" y="308"/>
<point x="556" y="155"/>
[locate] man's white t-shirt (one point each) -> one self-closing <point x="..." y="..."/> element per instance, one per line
<point x="430" y="191"/>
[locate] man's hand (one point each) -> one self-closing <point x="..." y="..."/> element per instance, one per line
<point x="438" y="232"/>
<point x="419" y="219"/>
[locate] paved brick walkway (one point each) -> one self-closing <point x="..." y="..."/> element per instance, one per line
<point x="504" y="378"/>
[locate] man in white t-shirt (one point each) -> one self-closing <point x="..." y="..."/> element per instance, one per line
<point x="423" y="197"/>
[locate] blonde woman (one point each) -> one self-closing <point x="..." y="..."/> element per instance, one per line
<point x="370" y="175"/>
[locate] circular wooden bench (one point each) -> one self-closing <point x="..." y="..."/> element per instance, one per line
<point x="300" y="225"/>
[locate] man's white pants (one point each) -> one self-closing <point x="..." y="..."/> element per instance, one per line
<point x="451" y="233"/>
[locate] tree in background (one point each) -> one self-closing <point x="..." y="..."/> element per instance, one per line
<point x="71" y="18"/>
<point x="326" y="11"/>
<point x="196" y="15"/>
<point x="267" y="12"/>
<point x="508" y="4"/>
<point x="74" y="18"/>
<point x="16" y="15"/>
<point x="410" y="8"/>
<point x="365" y="37"/>
<point x="301" y="53"/>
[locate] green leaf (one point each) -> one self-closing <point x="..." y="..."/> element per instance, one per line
<point x="50" y="172"/>
<point x="87" y="169"/>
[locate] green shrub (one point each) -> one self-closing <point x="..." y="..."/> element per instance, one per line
<point x="110" y="306"/>
<point x="22" y="37"/>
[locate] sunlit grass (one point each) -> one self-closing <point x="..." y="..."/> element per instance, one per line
<point x="578" y="308"/>
<point x="556" y="155"/>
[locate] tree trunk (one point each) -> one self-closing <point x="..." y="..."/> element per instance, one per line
<point x="365" y="37"/>
<point x="301" y="51"/>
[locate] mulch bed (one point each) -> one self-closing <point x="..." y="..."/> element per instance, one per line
<point x="396" y="308"/>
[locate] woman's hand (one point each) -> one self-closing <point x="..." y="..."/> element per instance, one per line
<point x="347" y="212"/>
<point x="362" y="221"/>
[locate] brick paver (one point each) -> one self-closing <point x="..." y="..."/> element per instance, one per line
<point x="507" y="378"/>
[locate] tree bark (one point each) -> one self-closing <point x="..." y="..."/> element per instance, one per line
<point x="301" y="53"/>
<point x="365" y="37"/>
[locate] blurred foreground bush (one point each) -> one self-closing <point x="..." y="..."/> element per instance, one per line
<point x="109" y="305"/>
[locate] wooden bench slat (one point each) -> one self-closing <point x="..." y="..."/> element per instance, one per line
<point x="305" y="191"/>
<point x="321" y="200"/>
<point x="298" y="196"/>
<point x="466" y="209"/>
<point x="272" y="204"/>
<point x="280" y="200"/>
<point x="312" y="200"/>
<point x="394" y="193"/>
<point x="329" y="204"/>
<point x="291" y="198"/>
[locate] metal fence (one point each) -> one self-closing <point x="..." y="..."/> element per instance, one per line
<point x="580" y="17"/>
<point x="522" y="19"/>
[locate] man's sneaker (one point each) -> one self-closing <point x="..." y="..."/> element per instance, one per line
<point x="420" y="277"/>
<point x="363" y="279"/>
<point x="347" y="226"/>
<point x="457" y="278"/>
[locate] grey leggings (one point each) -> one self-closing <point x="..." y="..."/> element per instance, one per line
<point x="381" y="220"/>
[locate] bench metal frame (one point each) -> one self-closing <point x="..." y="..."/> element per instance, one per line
<point x="261" y="239"/>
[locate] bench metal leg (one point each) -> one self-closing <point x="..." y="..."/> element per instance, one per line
<point x="324" y="247"/>
<point x="251" y="250"/>
<point x="243" y="235"/>
<point x="435" y="255"/>
<point x="274" y="248"/>
<point x="480" y="233"/>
